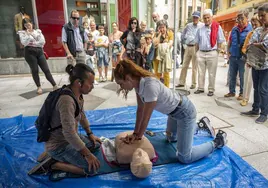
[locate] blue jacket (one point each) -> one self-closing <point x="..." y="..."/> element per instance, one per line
<point x="150" y="56"/>
<point x="236" y="44"/>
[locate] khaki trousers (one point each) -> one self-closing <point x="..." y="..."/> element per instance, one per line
<point x="247" y="82"/>
<point x="189" y="54"/>
<point x="79" y="58"/>
<point x="207" y="61"/>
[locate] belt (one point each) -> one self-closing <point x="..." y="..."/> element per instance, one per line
<point x="175" y="110"/>
<point x="207" y="50"/>
<point x="191" y="45"/>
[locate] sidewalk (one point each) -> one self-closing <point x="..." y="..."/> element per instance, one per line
<point x="245" y="137"/>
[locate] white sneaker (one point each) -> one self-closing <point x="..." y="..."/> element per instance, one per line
<point x="101" y="79"/>
<point x="96" y="82"/>
<point x="104" y="79"/>
<point x="39" y="91"/>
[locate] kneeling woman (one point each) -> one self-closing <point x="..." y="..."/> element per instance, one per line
<point x="153" y="95"/>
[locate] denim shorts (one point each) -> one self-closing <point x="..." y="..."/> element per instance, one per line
<point x="103" y="60"/>
<point x="70" y="155"/>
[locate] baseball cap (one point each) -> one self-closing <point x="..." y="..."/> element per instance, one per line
<point x="196" y="14"/>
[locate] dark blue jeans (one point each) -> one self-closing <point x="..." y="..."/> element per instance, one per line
<point x="236" y="65"/>
<point x="260" y="85"/>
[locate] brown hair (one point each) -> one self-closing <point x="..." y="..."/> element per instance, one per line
<point x="114" y="23"/>
<point x="101" y="27"/>
<point x="25" y="21"/>
<point x="127" y="67"/>
<point x="73" y="11"/>
<point x="255" y="17"/>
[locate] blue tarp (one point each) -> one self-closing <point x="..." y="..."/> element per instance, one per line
<point x="19" y="150"/>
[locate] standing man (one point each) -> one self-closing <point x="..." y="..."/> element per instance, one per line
<point x="74" y="40"/>
<point x="156" y="18"/>
<point x="235" y="44"/>
<point x="208" y="41"/>
<point x="143" y="30"/>
<point x="188" y="37"/>
<point x="18" y="27"/>
<point x="93" y="30"/>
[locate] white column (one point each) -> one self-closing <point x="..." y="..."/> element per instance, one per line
<point x="175" y="41"/>
<point x="65" y="10"/>
<point x="35" y="14"/>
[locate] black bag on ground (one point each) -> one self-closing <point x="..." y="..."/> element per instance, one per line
<point x="42" y="122"/>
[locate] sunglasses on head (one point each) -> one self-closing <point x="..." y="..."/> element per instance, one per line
<point x="75" y="18"/>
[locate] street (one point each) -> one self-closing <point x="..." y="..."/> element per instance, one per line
<point x="245" y="137"/>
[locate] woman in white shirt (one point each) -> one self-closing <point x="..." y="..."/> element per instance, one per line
<point x="33" y="41"/>
<point x="153" y="95"/>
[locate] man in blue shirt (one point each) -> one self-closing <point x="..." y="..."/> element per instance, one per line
<point x="188" y="38"/>
<point x="237" y="62"/>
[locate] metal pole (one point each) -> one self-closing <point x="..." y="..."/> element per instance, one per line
<point x="175" y="41"/>
<point x="108" y="21"/>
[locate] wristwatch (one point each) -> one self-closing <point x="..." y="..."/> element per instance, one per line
<point x="89" y="133"/>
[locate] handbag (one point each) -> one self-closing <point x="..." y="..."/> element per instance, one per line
<point x="256" y="57"/>
<point x="46" y="56"/>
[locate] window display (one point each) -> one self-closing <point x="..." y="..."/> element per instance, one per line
<point x="12" y="13"/>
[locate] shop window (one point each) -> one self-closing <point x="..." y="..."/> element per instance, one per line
<point x="11" y="22"/>
<point x="190" y="11"/>
<point x="232" y="3"/>
<point x="166" y="2"/>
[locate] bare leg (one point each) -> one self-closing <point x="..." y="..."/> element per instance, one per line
<point x="66" y="167"/>
<point x="106" y="71"/>
<point x="100" y="71"/>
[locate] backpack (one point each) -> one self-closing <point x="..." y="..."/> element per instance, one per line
<point x="42" y="122"/>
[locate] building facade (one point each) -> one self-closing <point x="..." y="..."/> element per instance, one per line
<point x="51" y="15"/>
<point x="225" y="11"/>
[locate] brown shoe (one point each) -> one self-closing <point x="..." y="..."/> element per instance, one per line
<point x="192" y="87"/>
<point x="42" y="168"/>
<point x="229" y="95"/>
<point x="244" y="102"/>
<point x="42" y="157"/>
<point x="240" y="97"/>
<point x="180" y="85"/>
<point x="198" y="91"/>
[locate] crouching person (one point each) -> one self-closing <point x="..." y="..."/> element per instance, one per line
<point x="68" y="150"/>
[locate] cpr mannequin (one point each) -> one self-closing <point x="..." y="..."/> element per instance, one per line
<point x="124" y="152"/>
<point x="141" y="166"/>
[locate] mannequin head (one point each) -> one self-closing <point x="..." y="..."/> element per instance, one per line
<point x="141" y="166"/>
<point x="22" y="9"/>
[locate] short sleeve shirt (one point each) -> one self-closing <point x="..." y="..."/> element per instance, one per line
<point x="151" y="89"/>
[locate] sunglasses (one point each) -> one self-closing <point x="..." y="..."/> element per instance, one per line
<point x="135" y="23"/>
<point x="240" y="18"/>
<point x="75" y="18"/>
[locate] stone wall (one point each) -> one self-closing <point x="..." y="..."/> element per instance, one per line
<point x="20" y="66"/>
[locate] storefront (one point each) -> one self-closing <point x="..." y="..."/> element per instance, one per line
<point x="227" y="21"/>
<point x="49" y="16"/>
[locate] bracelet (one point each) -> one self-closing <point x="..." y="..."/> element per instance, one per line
<point x="90" y="133"/>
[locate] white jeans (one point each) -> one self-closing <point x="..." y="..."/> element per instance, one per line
<point x="247" y="82"/>
<point x="207" y="61"/>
